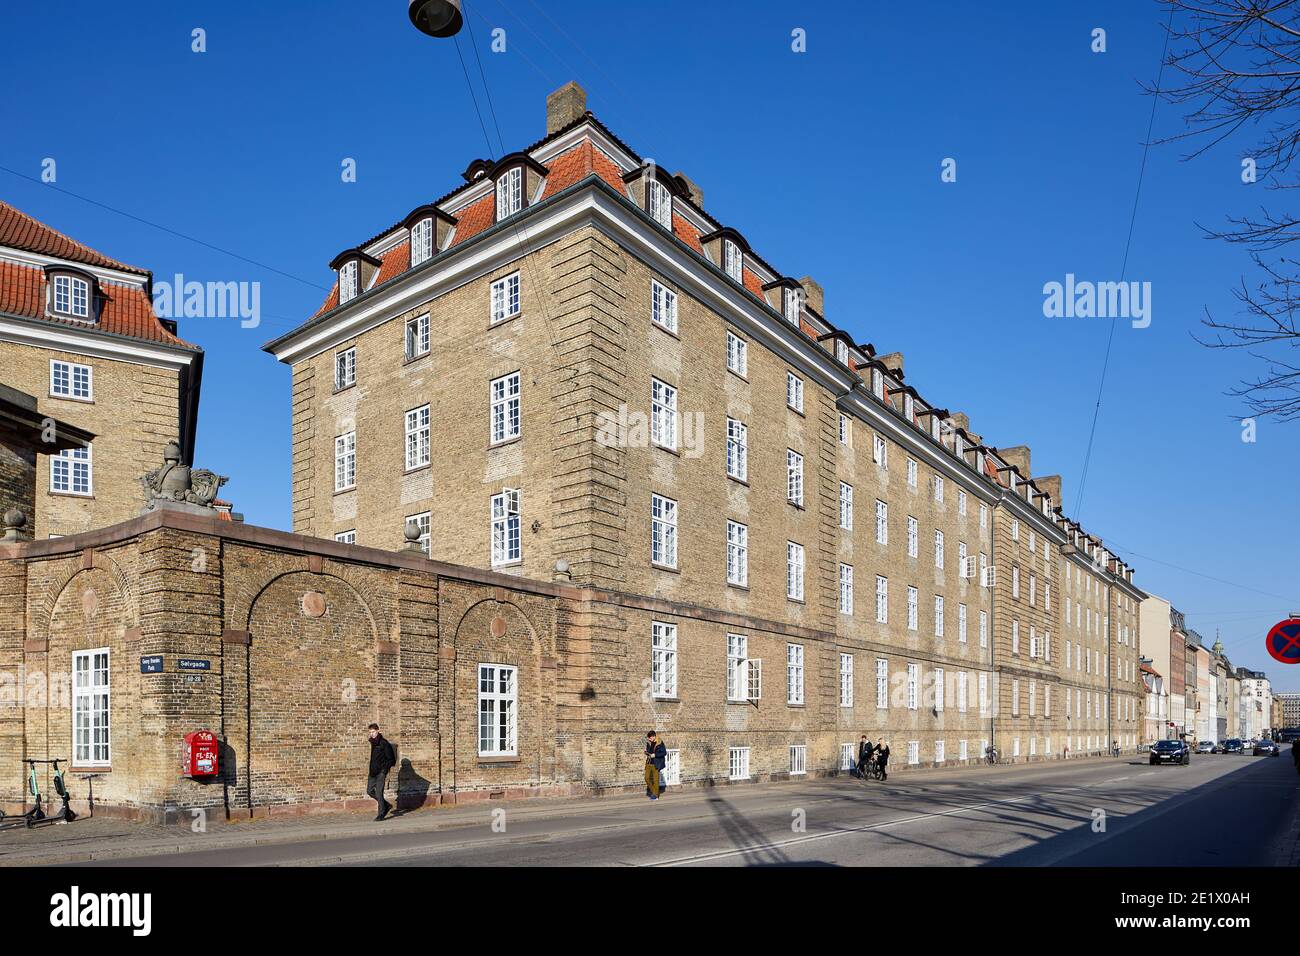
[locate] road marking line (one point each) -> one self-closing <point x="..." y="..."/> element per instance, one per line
<point x="719" y="854"/>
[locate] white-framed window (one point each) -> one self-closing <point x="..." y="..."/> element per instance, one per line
<point x="663" y="306"/>
<point x="663" y="659"/>
<point x="1015" y="746"/>
<point x="1015" y="529"/>
<point x="510" y="193"/>
<point x="1015" y="697"/>
<point x="794" y="392"/>
<point x="737" y="553"/>
<point x="660" y="203"/>
<point x="1033" y="698"/>
<point x="69" y="380"/>
<point x="984" y="516"/>
<point x="738" y="763"/>
<point x="345" y="461"/>
<point x="72" y="471"/>
<point x="909" y="408"/>
<point x="503" y="400"/>
<point x="505" y="298"/>
<point x="423" y="521"/>
<point x="938" y="489"/>
<point x="846" y="680"/>
<point x="963" y="751"/>
<point x="417" y="336"/>
<point x="345" y="368"/>
<point x="417" y="437"/>
<point x="1015" y="582"/>
<point x="913" y="752"/>
<point x="913" y="535"/>
<point x="71" y="296"/>
<point x="962" y="678"/>
<point x="846" y="431"/>
<point x="663" y="414"/>
<point x="846" y="506"/>
<point x="346" y="537"/>
<point x="91" y="745"/>
<point x="737" y="678"/>
<point x="938" y="615"/>
<point x="421" y="241"/>
<point x="938" y="549"/>
<point x="673" y="768"/>
<point x="663" y="531"/>
<point x="882" y="599"/>
<point x="793" y="477"/>
<point x="794" y="673"/>
<point x="984" y="628"/>
<point x="1033" y="589"/>
<point x="1047" y="703"/>
<point x="847" y="761"/>
<point x="961" y="510"/>
<point x="507" y="545"/>
<point x="882" y="522"/>
<point x="1015" y="637"/>
<point x="793" y="305"/>
<point x="938" y="688"/>
<point x="841" y="352"/>
<point x="794" y="571"/>
<point x="737" y="450"/>
<point x="348" y="281"/>
<point x="939" y="752"/>
<point x="878" y="383"/>
<point x="1033" y="642"/>
<point x="798" y="759"/>
<point x="911" y="472"/>
<point x="961" y="623"/>
<point x="880" y="452"/>
<point x="733" y="262"/>
<point x="846" y="589"/>
<point x="912" y="596"/>
<point x="984" y="694"/>
<point x="498" y="697"/>
<point x="1033" y="542"/>
<point x="882" y="683"/>
<point x="961" y="558"/>
<point x="737" y="355"/>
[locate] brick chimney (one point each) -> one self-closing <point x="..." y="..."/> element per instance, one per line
<point x="812" y="294"/>
<point x="564" y="106"/>
<point x="696" y="194"/>
<point x="1051" y="484"/>
<point x="1018" y="456"/>
<point x="894" y="362"/>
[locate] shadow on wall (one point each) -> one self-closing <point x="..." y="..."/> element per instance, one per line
<point x="412" y="789"/>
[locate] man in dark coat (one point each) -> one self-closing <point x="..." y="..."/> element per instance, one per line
<point x="382" y="760"/>
<point x="656" y="758"/>
<point x="864" y="755"/>
<point x="882" y="759"/>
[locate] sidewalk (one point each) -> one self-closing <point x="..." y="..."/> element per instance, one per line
<point x="108" y="838"/>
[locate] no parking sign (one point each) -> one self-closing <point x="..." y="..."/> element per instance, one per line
<point x="1283" y="641"/>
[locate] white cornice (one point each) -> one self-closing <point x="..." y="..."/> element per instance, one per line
<point x="51" y="335"/>
<point x="623" y="159"/>
<point x="39" y="261"/>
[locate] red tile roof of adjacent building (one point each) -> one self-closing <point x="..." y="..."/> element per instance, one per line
<point x="126" y="310"/>
<point x="20" y="231"/>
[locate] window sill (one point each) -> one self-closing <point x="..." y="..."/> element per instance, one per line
<point x="744" y="483"/>
<point x="492" y="446"/>
<point x="738" y="587"/>
<point x="417" y="469"/>
<point x="345" y="491"/>
<point x="508" y="564"/>
<point x="343" y="388"/>
<point x="672" y="451"/>
<point x="72" y="398"/>
<point x="504" y="321"/>
<point x="664" y="329"/>
<point x="667" y="700"/>
<point x="88" y="496"/>
<point x="497" y="761"/>
<point x="415" y="358"/>
<point x="743" y="378"/>
<point x="90" y="768"/>
<point x="665" y="567"/>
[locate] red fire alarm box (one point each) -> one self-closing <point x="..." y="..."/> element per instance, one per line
<point x="200" y="754"/>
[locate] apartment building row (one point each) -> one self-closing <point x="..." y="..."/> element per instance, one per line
<point x="567" y="362"/>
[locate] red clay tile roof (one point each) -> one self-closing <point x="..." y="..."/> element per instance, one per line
<point x="475" y="218"/>
<point x="687" y="233"/>
<point x="126" y="310"/>
<point x="20" y="231"/>
<point x="395" y="261"/>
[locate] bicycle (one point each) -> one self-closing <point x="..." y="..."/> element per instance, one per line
<point x="872" y="771"/>
<point x="991" y="755"/>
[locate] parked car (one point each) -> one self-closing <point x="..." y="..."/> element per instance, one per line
<point x="1263" y="747"/>
<point x="1233" y="746"/>
<point x="1171" y="751"/>
<point x="1206" y="747"/>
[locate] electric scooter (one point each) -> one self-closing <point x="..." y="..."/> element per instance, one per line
<point x="37" y="816"/>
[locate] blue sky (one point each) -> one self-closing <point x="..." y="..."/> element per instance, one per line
<point x="828" y="162"/>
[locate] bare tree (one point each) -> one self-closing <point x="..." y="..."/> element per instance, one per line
<point x="1237" y="64"/>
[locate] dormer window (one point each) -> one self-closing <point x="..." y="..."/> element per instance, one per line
<point x="659" y="201"/>
<point x="878" y="384"/>
<point x="348" y="281"/>
<point x="793" y="305"/>
<point x="909" y="408"/>
<point x="72" y="296"/>
<point x="510" y="192"/>
<point x="421" y="241"/>
<point x="934" y="427"/>
<point x="841" y="352"/>
<point x="732" y="261"/>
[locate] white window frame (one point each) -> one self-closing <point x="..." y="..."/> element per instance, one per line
<point x="737" y="450"/>
<point x="510" y="192"/>
<point x="505" y="301"/>
<point x="737" y="763"/>
<point x="345" y="368"/>
<point x="737" y="554"/>
<point x="798" y="760"/>
<point x="659" y="203"/>
<point x="846" y="589"/>
<point x="663" y="414"/>
<point x="913" y="537"/>
<point x="913" y="609"/>
<point x="349" y="281"/>
<point x="74" y="294"/>
<point x="846" y="506"/>
<point x="882" y="683"/>
<point x="345" y="461"/>
<point x="663" y="531"/>
<point x="737" y="672"/>
<point x="938" y="615"/>
<point x="71" y="380"/>
<point x="663" y="306"/>
<point x="737" y="355"/>
<point x="882" y="599"/>
<point x="792" y="305"/>
<point x="794" y="392"/>
<point x="880" y="452"/>
<point x="794" y="671"/>
<point x="911" y="472"/>
<point x="498" y="718"/>
<point x="506" y="528"/>
<point x="846" y="680"/>
<point x="423" y="521"/>
<point x="794" y="477"/>
<point x="794" y="571"/>
<point x="92" y="708"/>
<point x="505" y="417"/>
<point x="846" y="431"/>
<point x="882" y="522"/>
<point x="72" y="472"/>
<point x="417" y="337"/>
<point x="938" y="549"/>
<point x="733" y="260"/>
<point x="663" y="659"/>
<point x="421" y="242"/>
<point x="418" y="453"/>
<point x="346" y="537"/>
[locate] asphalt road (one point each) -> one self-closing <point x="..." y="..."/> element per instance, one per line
<point x="1219" y="811"/>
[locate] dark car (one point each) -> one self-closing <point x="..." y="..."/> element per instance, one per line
<point x="1265" y="747"/>
<point x="1233" y="746"/>
<point x="1171" y="751"/>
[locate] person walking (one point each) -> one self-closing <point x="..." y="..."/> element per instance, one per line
<point x="382" y="759"/>
<point x="882" y="759"/>
<point x="656" y="758"/>
<point x="865" y="750"/>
